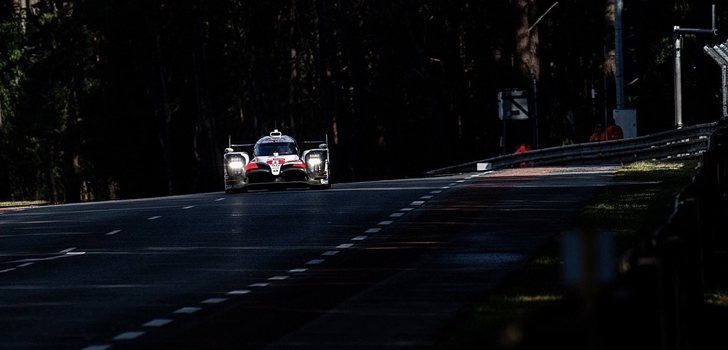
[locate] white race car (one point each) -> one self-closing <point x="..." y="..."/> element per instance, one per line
<point x="276" y="163"/>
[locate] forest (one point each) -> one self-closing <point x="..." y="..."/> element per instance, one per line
<point x="103" y="99"/>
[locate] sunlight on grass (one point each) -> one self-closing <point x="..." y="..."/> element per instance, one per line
<point x="647" y="166"/>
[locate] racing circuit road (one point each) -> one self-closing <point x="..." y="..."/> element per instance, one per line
<point x="364" y="265"/>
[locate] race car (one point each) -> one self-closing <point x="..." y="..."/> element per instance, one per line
<point x="276" y="163"/>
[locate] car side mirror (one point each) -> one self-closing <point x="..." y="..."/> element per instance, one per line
<point x="228" y="150"/>
<point x="323" y="146"/>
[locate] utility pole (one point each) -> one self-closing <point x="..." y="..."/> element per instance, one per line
<point x="677" y="34"/>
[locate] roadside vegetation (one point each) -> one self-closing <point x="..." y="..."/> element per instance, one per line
<point x="22" y="204"/>
<point x="631" y="212"/>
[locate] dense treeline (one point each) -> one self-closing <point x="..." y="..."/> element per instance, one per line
<point x="107" y="99"/>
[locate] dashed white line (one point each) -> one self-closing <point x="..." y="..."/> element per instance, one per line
<point x="7" y="270"/>
<point x="128" y="335"/>
<point x="396" y="215"/>
<point x="426" y="197"/>
<point x="187" y="310"/>
<point x="153" y="217"/>
<point x="297" y="270"/>
<point x="445" y="187"/>
<point x="385" y="222"/>
<point x="452" y="184"/>
<point x="407" y="209"/>
<point x="330" y="253"/>
<point x="111" y="233"/>
<point x="214" y="300"/>
<point x="344" y="246"/>
<point x="238" y="292"/>
<point x="417" y="203"/>
<point x="157" y="322"/>
<point x="460" y="181"/>
<point x="435" y="192"/>
<point x="259" y="285"/>
<point x="373" y="230"/>
<point x="188" y="207"/>
<point x="219" y="199"/>
<point x="278" y="278"/>
<point x="98" y="347"/>
<point x="315" y="262"/>
<point x="25" y="265"/>
<point x="359" y="238"/>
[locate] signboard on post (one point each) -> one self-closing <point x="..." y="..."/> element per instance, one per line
<point x="513" y="105"/>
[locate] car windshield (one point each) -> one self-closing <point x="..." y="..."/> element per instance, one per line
<point x="283" y="148"/>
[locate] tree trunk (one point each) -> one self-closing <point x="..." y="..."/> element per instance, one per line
<point x="526" y="42"/>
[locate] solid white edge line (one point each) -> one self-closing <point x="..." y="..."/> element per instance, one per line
<point x="67" y="250"/>
<point x="25" y="265"/>
<point x="7" y="270"/>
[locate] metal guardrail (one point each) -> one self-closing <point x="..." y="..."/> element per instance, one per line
<point x="686" y="142"/>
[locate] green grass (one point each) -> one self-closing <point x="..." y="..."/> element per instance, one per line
<point x="22" y="204"/>
<point x="631" y="212"/>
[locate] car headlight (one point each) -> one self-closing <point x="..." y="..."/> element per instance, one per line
<point x="235" y="165"/>
<point x="314" y="162"/>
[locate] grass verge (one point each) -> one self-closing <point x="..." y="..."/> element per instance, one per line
<point x="22" y="204"/>
<point x="631" y="211"/>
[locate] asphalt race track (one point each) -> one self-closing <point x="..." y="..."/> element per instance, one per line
<point x="371" y="265"/>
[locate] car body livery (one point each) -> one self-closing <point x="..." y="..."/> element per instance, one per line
<point x="277" y="162"/>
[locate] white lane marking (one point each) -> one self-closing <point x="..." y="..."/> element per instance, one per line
<point x="417" y="203"/>
<point x="385" y="222"/>
<point x="238" y="292"/>
<point x="219" y="199"/>
<point x="407" y="209"/>
<point x="278" y="278"/>
<point x="214" y="300"/>
<point x="98" y="347"/>
<point x="187" y="310"/>
<point x="452" y="184"/>
<point x="7" y="270"/>
<point x="396" y="215"/>
<point x="330" y="253"/>
<point x="157" y="322"/>
<point x="67" y="250"/>
<point x="445" y="187"/>
<point x="344" y="246"/>
<point x="373" y="230"/>
<point x="128" y="335"/>
<point x="259" y="285"/>
<point x="315" y="262"/>
<point x="154" y="217"/>
<point x="75" y="253"/>
<point x="460" y="181"/>
<point x="359" y="238"/>
<point x="112" y="232"/>
<point x="426" y="197"/>
<point x="297" y="270"/>
<point x="26" y="264"/>
<point x="188" y="207"/>
<point x="436" y="192"/>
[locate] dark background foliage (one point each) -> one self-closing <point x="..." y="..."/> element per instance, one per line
<point x="117" y="99"/>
